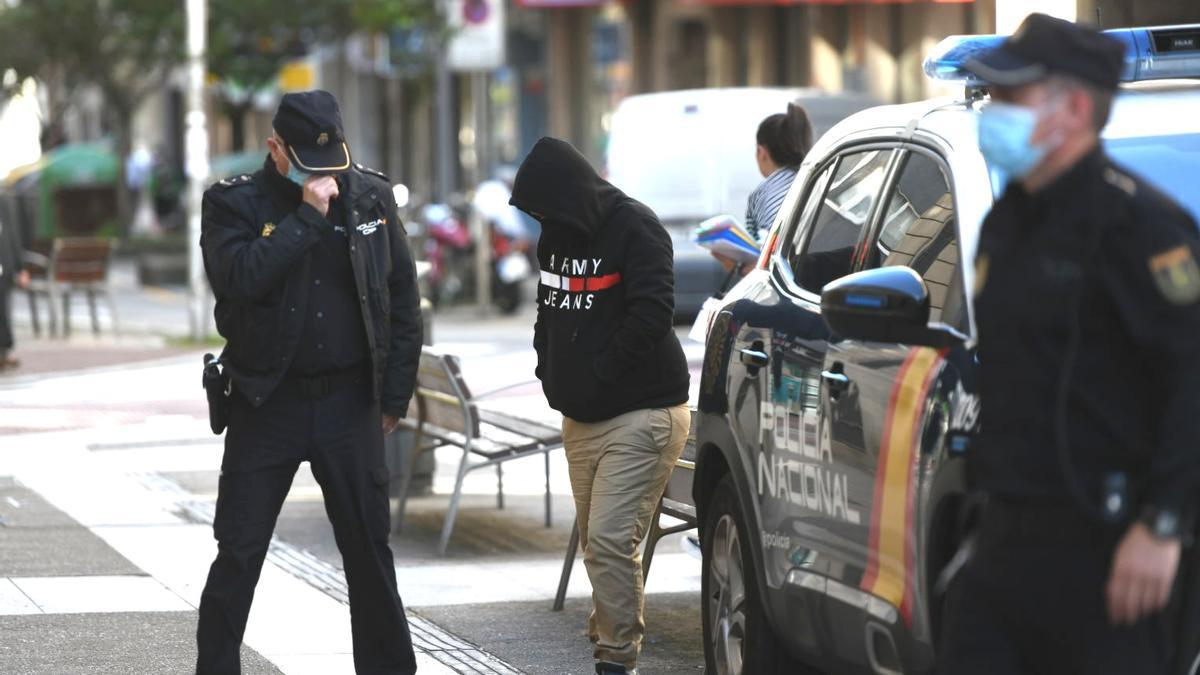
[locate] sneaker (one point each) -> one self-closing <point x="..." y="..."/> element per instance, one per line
<point x="607" y="668"/>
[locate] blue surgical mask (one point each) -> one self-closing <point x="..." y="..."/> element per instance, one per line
<point x="297" y="176"/>
<point x="1005" y="131"/>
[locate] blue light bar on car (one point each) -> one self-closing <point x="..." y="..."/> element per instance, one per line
<point x="1158" y="53"/>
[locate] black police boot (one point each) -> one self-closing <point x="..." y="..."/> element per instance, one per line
<point x="606" y="668"/>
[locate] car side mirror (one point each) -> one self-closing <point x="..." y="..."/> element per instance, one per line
<point x="400" y="193"/>
<point x="888" y="304"/>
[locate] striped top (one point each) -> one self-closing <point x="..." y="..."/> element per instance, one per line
<point x="764" y="202"/>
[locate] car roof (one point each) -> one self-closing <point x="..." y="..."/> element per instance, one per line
<point x="953" y="119"/>
<point x="1137" y="112"/>
<point x="724" y="94"/>
<point x="952" y="122"/>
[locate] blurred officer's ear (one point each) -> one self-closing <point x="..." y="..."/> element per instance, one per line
<point x="1087" y="107"/>
<point x="278" y="150"/>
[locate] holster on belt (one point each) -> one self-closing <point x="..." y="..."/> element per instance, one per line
<point x="217" y="388"/>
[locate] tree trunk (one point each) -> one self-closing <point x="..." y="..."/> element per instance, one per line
<point x="237" y="123"/>
<point x="123" y="136"/>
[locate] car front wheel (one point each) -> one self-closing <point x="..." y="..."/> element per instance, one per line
<point x="737" y="635"/>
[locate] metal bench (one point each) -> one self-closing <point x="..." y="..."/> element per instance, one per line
<point x="448" y="414"/>
<point x="676" y="503"/>
<point x="72" y="264"/>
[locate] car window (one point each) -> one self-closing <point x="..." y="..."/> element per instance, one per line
<point x="806" y="205"/>
<point x="919" y="231"/>
<point x="843" y="212"/>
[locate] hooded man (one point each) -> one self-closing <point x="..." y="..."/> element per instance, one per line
<point x="610" y="362"/>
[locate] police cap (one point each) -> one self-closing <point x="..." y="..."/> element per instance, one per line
<point x="310" y="124"/>
<point x="1043" y="46"/>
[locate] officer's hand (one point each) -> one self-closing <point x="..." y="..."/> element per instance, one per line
<point x="1143" y="572"/>
<point x="318" y="191"/>
<point x="23" y="279"/>
<point x="390" y="422"/>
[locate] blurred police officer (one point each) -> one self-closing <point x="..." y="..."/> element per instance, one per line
<point x="316" y="295"/>
<point x="1086" y="307"/>
<point x="12" y="274"/>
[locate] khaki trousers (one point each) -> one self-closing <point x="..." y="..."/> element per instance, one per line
<point x="619" y="469"/>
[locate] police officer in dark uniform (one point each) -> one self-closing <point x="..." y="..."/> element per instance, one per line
<point x="1087" y="290"/>
<point x="317" y="297"/>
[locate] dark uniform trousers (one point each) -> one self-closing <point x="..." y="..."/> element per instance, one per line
<point x="6" y="332"/>
<point x="1032" y="601"/>
<point x="340" y="435"/>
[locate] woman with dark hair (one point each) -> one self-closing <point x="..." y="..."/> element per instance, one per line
<point x="783" y="141"/>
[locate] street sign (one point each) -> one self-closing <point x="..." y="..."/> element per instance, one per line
<point x="476" y="34"/>
<point x="298" y="75"/>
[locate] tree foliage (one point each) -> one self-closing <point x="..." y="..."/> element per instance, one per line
<point x="126" y="48"/>
<point x="250" y="40"/>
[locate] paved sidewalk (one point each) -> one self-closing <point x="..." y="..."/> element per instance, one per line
<point x="105" y="440"/>
<point x="70" y="603"/>
<point x="101" y="570"/>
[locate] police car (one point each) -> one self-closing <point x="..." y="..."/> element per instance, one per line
<point x="828" y="475"/>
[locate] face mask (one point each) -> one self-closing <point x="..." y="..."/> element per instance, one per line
<point x="1005" y="131"/>
<point x="297" y="176"/>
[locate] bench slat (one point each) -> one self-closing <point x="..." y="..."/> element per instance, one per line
<point x="440" y="393"/>
<point x="447" y="414"/>
<point x="519" y="426"/>
<point x="80" y="260"/>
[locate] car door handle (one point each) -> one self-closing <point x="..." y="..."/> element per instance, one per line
<point x="838" y="382"/>
<point x="754" y="358"/>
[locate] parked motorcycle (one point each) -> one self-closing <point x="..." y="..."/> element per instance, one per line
<point x="510" y="267"/>
<point x="512" y="243"/>
<point x="450" y="251"/>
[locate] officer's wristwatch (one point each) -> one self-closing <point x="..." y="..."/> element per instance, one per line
<point x="1163" y="523"/>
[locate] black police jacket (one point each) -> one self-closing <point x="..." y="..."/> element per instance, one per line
<point x="256" y="258"/>
<point x="1101" y="256"/>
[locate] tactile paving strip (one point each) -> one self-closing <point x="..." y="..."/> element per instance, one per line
<point x="447" y="648"/>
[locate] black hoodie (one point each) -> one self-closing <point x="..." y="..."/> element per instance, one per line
<point x="604" y="334"/>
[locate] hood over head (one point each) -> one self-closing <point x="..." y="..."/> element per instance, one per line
<point x="558" y="186"/>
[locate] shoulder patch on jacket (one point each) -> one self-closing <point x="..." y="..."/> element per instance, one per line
<point x="235" y="181"/>
<point x="1177" y="275"/>
<point x="373" y="172"/>
<point x="1121" y="181"/>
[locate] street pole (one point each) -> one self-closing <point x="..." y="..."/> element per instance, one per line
<point x="483" y="239"/>
<point x="444" y="160"/>
<point x="196" y="162"/>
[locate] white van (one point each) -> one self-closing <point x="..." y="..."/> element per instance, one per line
<point x="689" y="155"/>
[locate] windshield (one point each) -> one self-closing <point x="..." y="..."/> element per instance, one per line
<point x="1171" y="163"/>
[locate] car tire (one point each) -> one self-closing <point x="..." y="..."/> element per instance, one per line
<point x="738" y="638"/>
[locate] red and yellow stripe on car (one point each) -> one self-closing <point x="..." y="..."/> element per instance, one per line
<point x="890" y="559"/>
